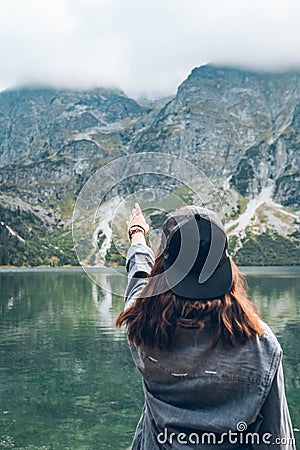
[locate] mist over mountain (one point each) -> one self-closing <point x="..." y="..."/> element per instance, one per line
<point x="241" y="128"/>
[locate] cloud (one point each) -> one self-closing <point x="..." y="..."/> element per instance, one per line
<point x="145" y="48"/>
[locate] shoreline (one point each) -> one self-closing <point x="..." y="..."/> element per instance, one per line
<point x="112" y="269"/>
<point x="108" y="270"/>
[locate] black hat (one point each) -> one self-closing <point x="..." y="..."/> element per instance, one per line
<point x="196" y="261"/>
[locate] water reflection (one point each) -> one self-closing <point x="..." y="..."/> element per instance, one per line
<point x="104" y="302"/>
<point x="67" y="380"/>
<point x="276" y="298"/>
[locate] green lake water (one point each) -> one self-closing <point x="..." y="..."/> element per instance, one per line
<point x="67" y="380"/>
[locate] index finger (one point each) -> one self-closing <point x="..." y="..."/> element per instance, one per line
<point x="138" y="208"/>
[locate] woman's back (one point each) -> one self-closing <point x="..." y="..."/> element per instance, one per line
<point x="195" y="389"/>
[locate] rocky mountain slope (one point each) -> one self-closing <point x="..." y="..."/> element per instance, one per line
<point x="241" y="128"/>
<point x="232" y="122"/>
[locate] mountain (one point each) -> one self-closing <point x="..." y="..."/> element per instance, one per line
<point x="241" y="128"/>
<point x="248" y="122"/>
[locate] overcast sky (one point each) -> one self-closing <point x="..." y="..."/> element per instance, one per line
<point x="145" y="47"/>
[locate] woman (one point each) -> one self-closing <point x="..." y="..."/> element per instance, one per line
<point x="211" y="368"/>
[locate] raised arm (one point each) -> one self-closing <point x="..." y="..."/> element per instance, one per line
<point x="140" y="257"/>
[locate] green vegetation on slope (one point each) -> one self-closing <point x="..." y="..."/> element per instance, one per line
<point x="113" y="257"/>
<point x="267" y="249"/>
<point x="33" y="244"/>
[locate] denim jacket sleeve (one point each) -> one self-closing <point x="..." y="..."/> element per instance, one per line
<point x="139" y="262"/>
<point x="276" y="426"/>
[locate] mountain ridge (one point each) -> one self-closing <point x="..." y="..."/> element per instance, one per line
<point x="238" y="126"/>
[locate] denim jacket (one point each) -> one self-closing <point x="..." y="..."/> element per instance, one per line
<point x="198" y="397"/>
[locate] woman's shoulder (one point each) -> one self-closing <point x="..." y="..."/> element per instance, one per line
<point x="265" y="354"/>
<point x="269" y="339"/>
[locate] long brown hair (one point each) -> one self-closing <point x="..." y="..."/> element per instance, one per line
<point x="153" y="319"/>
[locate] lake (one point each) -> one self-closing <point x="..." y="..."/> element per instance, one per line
<point x="67" y="380"/>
